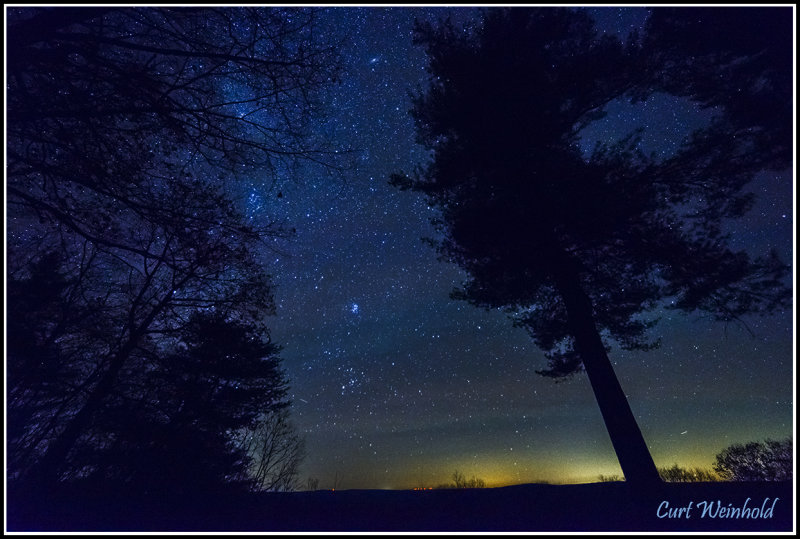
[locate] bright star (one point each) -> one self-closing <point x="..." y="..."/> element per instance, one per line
<point x="354" y="308"/>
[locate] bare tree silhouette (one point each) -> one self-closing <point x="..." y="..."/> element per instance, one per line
<point x="125" y="126"/>
<point x="276" y="452"/>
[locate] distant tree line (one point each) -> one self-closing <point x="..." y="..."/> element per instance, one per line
<point x="770" y="460"/>
<point x="459" y="480"/>
<point x="678" y="474"/>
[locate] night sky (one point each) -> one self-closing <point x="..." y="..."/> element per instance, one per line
<point x="395" y="385"/>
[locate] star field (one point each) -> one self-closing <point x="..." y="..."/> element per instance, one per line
<point x="395" y="385"/>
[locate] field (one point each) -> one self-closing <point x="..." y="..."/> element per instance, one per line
<point x="525" y="508"/>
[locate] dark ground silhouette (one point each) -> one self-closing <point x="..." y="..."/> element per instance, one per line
<point x="588" y="507"/>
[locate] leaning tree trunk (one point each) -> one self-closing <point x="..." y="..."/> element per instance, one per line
<point x="46" y="473"/>
<point x="47" y="470"/>
<point x="634" y="457"/>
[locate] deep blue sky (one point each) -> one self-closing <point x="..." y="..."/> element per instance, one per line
<point x="395" y="385"/>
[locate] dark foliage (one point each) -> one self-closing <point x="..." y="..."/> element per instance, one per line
<point x="136" y="296"/>
<point x="580" y="250"/>
<point x="181" y="409"/>
<point x="770" y="460"/>
<point x="679" y="474"/>
<point x="738" y="59"/>
<point x="519" y="202"/>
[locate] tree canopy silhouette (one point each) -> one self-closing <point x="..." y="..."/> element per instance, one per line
<point x="126" y="250"/>
<point x="168" y="424"/>
<point x="770" y="460"/>
<point x="580" y="249"/>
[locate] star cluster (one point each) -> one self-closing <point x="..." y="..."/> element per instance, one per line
<point x="395" y="385"/>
